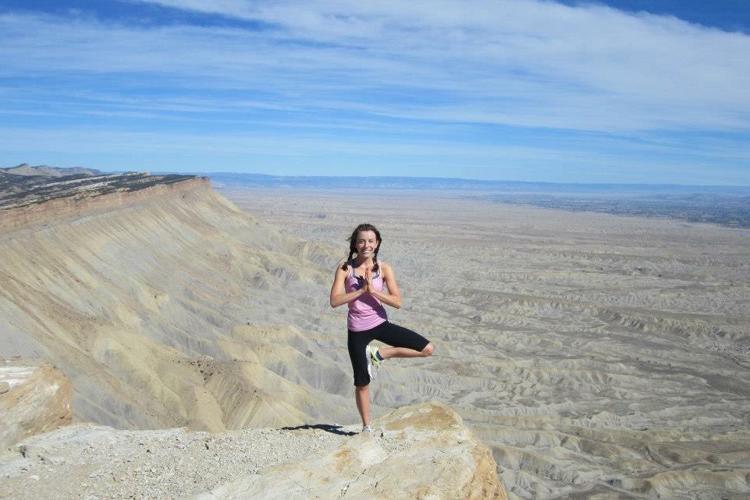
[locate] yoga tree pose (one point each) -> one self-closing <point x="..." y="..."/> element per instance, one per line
<point x="365" y="285"/>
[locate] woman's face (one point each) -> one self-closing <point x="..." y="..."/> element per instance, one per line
<point x="366" y="244"/>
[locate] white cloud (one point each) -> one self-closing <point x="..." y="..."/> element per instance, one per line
<point x="542" y="52"/>
<point x="517" y="62"/>
<point x="388" y="85"/>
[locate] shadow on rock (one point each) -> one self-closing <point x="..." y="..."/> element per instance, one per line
<point x="333" y="429"/>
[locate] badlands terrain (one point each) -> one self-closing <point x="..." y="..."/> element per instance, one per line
<point x="596" y="355"/>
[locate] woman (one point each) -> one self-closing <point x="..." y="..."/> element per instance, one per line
<point x="366" y="284"/>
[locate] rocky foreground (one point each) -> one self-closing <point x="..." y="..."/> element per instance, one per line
<point x="421" y="451"/>
<point x="418" y="451"/>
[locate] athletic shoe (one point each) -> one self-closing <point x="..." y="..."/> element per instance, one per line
<point x="372" y="352"/>
<point x="371" y="370"/>
<point x="373" y="363"/>
<point x="367" y="429"/>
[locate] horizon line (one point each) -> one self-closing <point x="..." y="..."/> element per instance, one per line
<point x="397" y="177"/>
<point x="462" y="179"/>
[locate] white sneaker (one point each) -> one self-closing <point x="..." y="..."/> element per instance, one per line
<point x="373" y="363"/>
<point x="372" y="351"/>
<point x="371" y="370"/>
<point x="367" y="429"/>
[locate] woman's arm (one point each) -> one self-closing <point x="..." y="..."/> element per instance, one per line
<point x="338" y="292"/>
<point x="393" y="297"/>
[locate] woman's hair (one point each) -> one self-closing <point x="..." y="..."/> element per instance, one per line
<point x="353" y="245"/>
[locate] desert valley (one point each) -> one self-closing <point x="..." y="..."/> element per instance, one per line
<point x="594" y="355"/>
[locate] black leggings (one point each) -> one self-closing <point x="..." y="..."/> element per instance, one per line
<point x="388" y="333"/>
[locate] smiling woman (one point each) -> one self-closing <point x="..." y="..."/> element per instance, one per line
<point x="366" y="284"/>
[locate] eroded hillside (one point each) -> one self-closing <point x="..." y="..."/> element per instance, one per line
<point x="163" y="303"/>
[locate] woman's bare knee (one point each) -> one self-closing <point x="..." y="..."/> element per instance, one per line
<point x="427" y="351"/>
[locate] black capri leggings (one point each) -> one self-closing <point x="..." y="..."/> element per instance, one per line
<point x="388" y="333"/>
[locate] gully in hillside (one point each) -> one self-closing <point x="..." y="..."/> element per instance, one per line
<point x="365" y="285"/>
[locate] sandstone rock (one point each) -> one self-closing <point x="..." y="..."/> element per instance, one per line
<point x="421" y="451"/>
<point x="38" y="400"/>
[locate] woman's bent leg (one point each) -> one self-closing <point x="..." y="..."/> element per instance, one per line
<point x="404" y="343"/>
<point x="405" y="352"/>
<point x="362" y="396"/>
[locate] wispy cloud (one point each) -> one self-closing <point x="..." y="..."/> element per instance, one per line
<point x="523" y="62"/>
<point x="429" y="67"/>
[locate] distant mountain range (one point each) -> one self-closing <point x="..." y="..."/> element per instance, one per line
<point x="724" y="205"/>
<point x="438" y="183"/>
<point x="233" y="179"/>
<point x="43" y="170"/>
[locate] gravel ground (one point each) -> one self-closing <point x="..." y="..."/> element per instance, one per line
<point x="94" y="462"/>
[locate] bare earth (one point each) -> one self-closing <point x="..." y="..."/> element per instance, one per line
<point x="594" y="354"/>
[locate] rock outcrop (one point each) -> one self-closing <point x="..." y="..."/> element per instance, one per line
<point x="420" y="451"/>
<point x="33" y="399"/>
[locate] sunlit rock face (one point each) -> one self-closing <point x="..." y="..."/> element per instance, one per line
<point x="419" y="451"/>
<point x="34" y="398"/>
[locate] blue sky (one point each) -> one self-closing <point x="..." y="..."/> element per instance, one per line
<point x="622" y="91"/>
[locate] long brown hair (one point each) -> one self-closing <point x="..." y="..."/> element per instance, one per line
<point x="353" y="245"/>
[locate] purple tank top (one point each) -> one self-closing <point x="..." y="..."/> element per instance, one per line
<point x="365" y="312"/>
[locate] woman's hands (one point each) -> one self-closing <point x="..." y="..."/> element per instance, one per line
<point x="393" y="297"/>
<point x="369" y="287"/>
<point x="339" y="296"/>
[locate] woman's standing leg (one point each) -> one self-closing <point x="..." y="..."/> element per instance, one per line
<point x="357" y="345"/>
<point x="362" y="396"/>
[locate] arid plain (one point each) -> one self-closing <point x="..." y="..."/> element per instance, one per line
<point x="595" y="354"/>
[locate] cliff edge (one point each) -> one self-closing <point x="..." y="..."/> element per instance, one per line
<point x="418" y="451"/>
<point x="40" y="194"/>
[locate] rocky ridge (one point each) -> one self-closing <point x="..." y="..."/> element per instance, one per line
<point x="23" y="189"/>
<point x="164" y="306"/>
<point x="45" y="170"/>
<point x="33" y="194"/>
